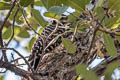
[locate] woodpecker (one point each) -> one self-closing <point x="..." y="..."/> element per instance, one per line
<point x="49" y="39"/>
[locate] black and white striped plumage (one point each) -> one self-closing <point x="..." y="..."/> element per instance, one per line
<point x="41" y="46"/>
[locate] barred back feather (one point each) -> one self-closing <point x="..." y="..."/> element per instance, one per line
<point x="44" y="43"/>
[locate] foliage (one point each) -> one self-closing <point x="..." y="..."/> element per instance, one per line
<point x="38" y="17"/>
<point x="68" y="45"/>
<point x="108" y="72"/>
<point x="4" y="6"/>
<point x="84" y="73"/>
<point x="110" y="45"/>
<point x="1" y="77"/>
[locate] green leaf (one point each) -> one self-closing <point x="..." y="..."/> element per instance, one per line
<point x="99" y="12"/>
<point x="25" y="3"/>
<point x="109" y="43"/>
<point x="76" y="13"/>
<point x="83" y="27"/>
<point x="17" y="30"/>
<point x="86" y="74"/>
<point x="115" y="25"/>
<point x="65" y="2"/>
<point x="5" y="6"/>
<point x="45" y="3"/>
<point x="38" y="3"/>
<point x="110" y="68"/>
<point x="31" y="43"/>
<point x="34" y="24"/>
<point x="69" y="45"/>
<point x="80" y="68"/>
<point x="7" y="33"/>
<point x="1" y="77"/>
<point x="117" y="22"/>
<point x="99" y="33"/>
<point x="49" y="3"/>
<point x="79" y="78"/>
<point x="40" y="30"/>
<point x="78" y="4"/>
<point x="114" y="4"/>
<point x="109" y="22"/>
<point x="58" y="10"/>
<point x="36" y="14"/>
<point x="17" y="18"/>
<point x="23" y="34"/>
<point x="100" y="3"/>
<point x="51" y="15"/>
<point x="6" y="0"/>
<point x="118" y="38"/>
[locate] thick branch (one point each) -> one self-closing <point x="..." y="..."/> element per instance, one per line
<point x="99" y="69"/>
<point x="14" y="69"/>
<point x="20" y="56"/>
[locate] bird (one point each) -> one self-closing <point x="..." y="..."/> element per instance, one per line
<point x="49" y="39"/>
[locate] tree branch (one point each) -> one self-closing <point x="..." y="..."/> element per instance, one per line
<point x="14" y="69"/>
<point x="20" y="56"/>
<point x="13" y="27"/>
<point x="1" y="28"/>
<point x="28" y="23"/>
<point x="100" y="68"/>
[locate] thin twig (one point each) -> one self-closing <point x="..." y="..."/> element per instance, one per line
<point x="74" y="15"/>
<point x="13" y="5"/>
<point x="18" y="71"/>
<point x="1" y="28"/>
<point x="14" y="69"/>
<point x="94" y="34"/>
<point x="18" y="59"/>
<point x="109" y="32"/>
<point x="95" y="31"/>
<point x="12" y="57"/>
<point x="20" y="56"/>
<point x="20" y="65"/>
<point x="92" y="42"/>
<point x="102" y="19"/>
<point x="75" y="31"/>
<point x="28" y="23"/>
<point x="103" y="29"/>
<point x="13" y="27"/>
